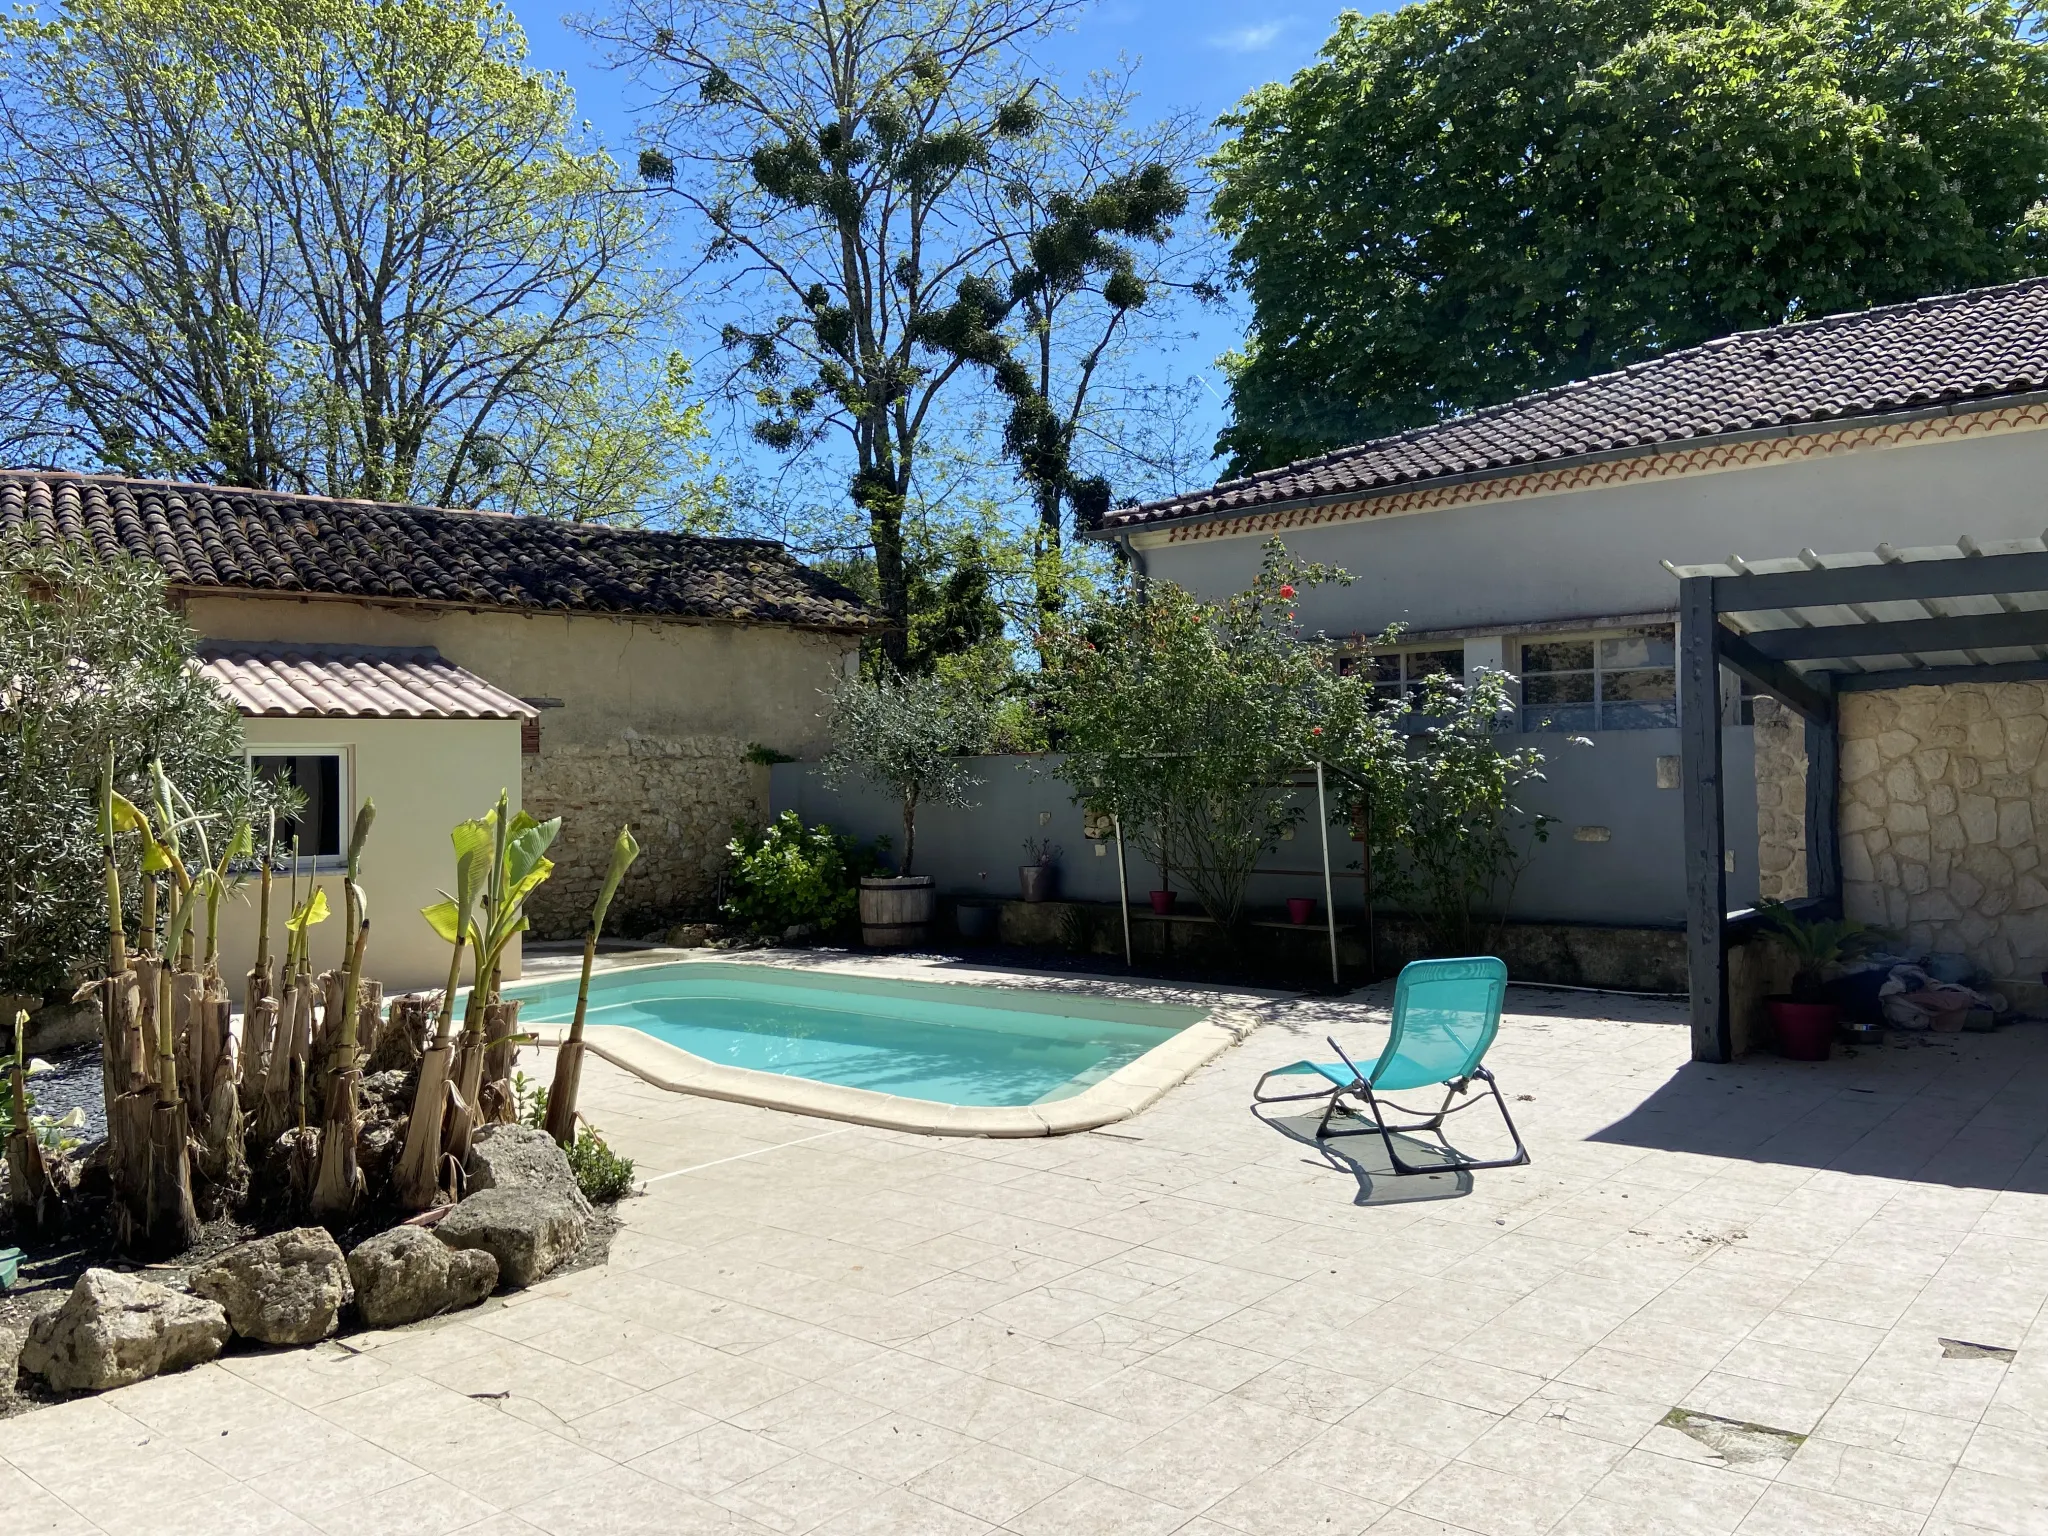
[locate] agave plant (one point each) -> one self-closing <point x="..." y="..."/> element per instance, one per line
<point x="561" y="1110"/>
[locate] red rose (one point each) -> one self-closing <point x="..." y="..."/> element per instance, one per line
<point x="1286" y="590"/>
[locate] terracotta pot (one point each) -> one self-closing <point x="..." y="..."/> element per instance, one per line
<point x="1301" y="910"/>
<point x="895" y="911"/>
<point x="1806" y="1031"/>
<point x="1038" y="881"/>
<point x="1162" y="902"/>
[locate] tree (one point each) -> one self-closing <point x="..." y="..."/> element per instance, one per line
<point x="612" y="446"/>
<point x="1087" y="243"/>
<point x="1463" y="200"/>
<point x="342" y="246"/>
<point x="1186" y="719"/>
<point x="833" y="152"/>
<point x="907" y="735"/>
<point x="92" y="654"/>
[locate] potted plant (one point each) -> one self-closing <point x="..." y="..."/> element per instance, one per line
<point x="908" y="736"/>
<point x="1039" y="875"/>
<point x="1803" y="1018"/>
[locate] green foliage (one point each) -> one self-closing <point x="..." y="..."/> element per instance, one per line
<point x="1185" y="718"/>
<point x="848" y="161"/>
<point x="529" y="1101"/>
<point x="908" y="736"/>
<point x="1447" y="829"/>
<point x="1817" y="945"/>
<point x="765" y="757"/>
<point x="348" y="246"/>
<point x="92" y="654"/>
<point x="785" y="873"/>
<point x="601" y="1173"/>
<point x="53" y="1131"/>
<point x="1463" y="200"/>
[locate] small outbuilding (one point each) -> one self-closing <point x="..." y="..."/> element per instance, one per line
<point x="427" y="658"/>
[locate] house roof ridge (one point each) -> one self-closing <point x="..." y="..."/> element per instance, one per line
<point x="243" y="539"/>
<point x="1739" y="382"/>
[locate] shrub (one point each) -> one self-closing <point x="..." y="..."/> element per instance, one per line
<point x="91" y="653"/>
<point x="787" y="873"/>
<point x="601" y="1173"/>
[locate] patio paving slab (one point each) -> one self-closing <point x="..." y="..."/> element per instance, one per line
<point x="1197" y="1323"/>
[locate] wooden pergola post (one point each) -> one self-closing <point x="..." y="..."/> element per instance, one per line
<point x="1706" y="877"/>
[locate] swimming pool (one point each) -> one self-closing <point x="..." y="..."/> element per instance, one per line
<point x="943" y="1043"/>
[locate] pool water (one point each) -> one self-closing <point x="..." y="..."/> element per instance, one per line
<point x="948" y="1043"/>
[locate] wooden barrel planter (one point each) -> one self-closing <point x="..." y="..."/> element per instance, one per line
<point x="895" y="911"/>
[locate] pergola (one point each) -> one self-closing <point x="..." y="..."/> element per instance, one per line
<point x="1804" y="630"/>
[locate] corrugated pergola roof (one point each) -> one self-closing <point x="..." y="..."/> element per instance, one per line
<point x="281" y="681"/>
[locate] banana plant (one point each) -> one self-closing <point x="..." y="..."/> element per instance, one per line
<point x="453" y="917"/>
<point x="561" y="1116"/>
<point x="221" y="879"/>
<point x="517" y="866"/>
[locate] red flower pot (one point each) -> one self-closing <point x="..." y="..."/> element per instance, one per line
<point x="1301" y="910"/>
<point x="1806" y="1031"/>
<point x="1162" y="902"/>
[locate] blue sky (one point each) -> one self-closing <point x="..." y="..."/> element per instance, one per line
<point x="1199" y="54"/>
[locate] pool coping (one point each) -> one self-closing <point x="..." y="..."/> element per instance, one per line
<point x="1234" y="1012"/>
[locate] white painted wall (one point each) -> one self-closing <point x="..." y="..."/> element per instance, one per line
<point x="1592" y="552"/>
<point x="424" y="775"/>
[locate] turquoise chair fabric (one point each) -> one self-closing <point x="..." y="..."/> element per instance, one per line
<point x="1446" y="1013"/>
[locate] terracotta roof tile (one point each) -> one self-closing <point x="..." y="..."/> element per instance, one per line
<point x="354" y="682"/>
<point x="1953" y="350"/>
<point x="215" y="537"/>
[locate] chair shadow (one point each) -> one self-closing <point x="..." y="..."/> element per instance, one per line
<point x="1365" y="1159"/>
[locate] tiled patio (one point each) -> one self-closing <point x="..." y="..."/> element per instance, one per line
<point x="1192" y="1323"/>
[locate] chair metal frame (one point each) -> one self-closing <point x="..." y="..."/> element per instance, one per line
<point x="1360" y="1087"/>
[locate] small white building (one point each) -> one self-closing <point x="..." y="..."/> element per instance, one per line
<point x="1535" y="536"/>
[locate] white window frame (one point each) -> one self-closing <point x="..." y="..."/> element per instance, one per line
<point x="345" y="793"/>
<point x="1406" y="685"/>
<point x="1594" y="638"/>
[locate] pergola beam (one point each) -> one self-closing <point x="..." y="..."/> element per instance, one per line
<point x="1899" y="637"/>
<point x="1773" y="677"/>
<point x="1890" y="582"/>
<point x="1937" y="677"/>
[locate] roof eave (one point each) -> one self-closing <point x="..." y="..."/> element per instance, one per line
<point x="447" y="605"/>
<point x="1118" y="531"/>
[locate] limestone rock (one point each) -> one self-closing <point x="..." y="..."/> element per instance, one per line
<point x="530" y="1232"/>
<point x="288" y="1288"/>
<point x="116" y="1329"/>
<point x="522" y="1157"/>
<point x="691" y="935"/>
<point x="407" y="1273"/>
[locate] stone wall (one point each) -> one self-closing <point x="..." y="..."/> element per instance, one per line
<point x="1780" y="802"/>
<point x="681" y="795"/>
<point x="1941" y="791"/>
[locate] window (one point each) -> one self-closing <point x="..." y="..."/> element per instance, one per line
<point x="1623" y="682"/>
<point x="1398" y="674"/>
<point x="319" y="774"/>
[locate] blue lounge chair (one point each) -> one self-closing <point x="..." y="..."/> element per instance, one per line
<point x="1446" y="1013"/>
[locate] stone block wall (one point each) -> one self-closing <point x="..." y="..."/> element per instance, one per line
<point x="681" y="796"/>
<point x="1942" y="789"/>
<point x="1780" y="802"/>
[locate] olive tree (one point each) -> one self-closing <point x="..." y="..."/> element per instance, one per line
<point x="92" y="654"/>
<point x="909" y="736"/>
